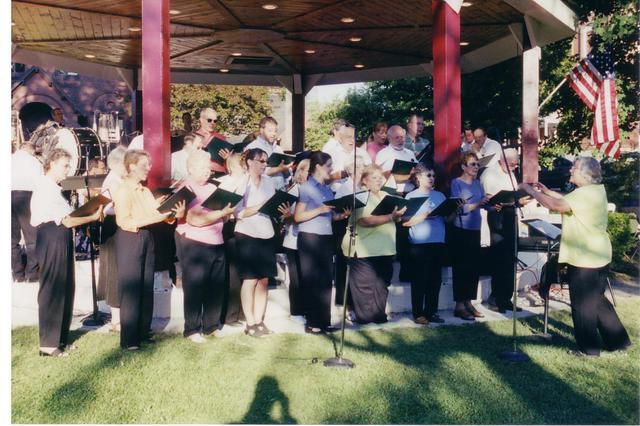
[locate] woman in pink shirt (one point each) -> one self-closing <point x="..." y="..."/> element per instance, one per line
<point x="200" y="249"/>
<point x="378" y="140"/>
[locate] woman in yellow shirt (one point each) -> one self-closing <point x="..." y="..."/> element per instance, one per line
<point x="586" y="248"/>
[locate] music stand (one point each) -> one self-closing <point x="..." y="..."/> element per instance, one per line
<point x="73" y="183"/>
<point x="551" y="234"/>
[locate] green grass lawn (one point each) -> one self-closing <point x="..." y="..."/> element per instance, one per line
<point x="440" y="375"/>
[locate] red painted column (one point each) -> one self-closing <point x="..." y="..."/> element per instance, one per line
<point x="446" y="91"/>
<point x="530" y="129"/>
<point x="155" y="89"/>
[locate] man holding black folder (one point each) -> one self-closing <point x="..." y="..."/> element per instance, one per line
<point x="207" y="131"/>
<point x="396" y="151"/>
<point x="266" y="141"/>
<point x="502" y="226"/>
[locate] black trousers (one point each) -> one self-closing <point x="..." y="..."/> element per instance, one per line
<point x="593" y="313"/>
<point x="136" y="258"/>
<point x="465" y="259"/>
<point x="316" y="258"/>
<point x="231" y="305"/>
<point x="20" y="221"/>
<point x="503" y="229"/>
<point x="402" y="252"/>
<point x="370" y="279"/>
<point x="426" y="277"/>
<point x="54" y="251"/>
<point x="203" y="282"/>
<point x="296" y="302"/>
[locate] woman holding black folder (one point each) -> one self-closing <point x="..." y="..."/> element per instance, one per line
<point x="136" y="209"/>
<point x="50" y="215"/>
<point x="315" y="243"/>
<point x="200" y="249"/>
<point x="254" y="231"/>
<point x="466" y="238"/>
<point x="426" y="238"/>
<point x="372" y="256"/>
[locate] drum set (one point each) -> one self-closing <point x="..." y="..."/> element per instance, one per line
<point x="82" y="143"/>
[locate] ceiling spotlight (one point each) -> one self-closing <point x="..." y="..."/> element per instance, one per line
<point x="269" y="6"/>
<point x="466" y="3"/>
<point x="224" y="70"/>
<point x="12" y="23"/>
<point x="89" y="56"/>
<point x="355" y="39"/>
<point x="135" y="29"/>
<point x="347" y="20"/>
<point x="174" y="12"/>
<point x="358" y="66"/>
<point x="464" y="43"/>
<point x="236" y="54"/>
<point x="310" y="51"/>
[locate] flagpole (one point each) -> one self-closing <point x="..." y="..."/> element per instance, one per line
<point x="564" y="80"/>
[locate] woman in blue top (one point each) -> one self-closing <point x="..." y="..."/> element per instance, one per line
<point x="315" y="243"/>
<point x="426" y="238"/>
<point x="466" y="238"/>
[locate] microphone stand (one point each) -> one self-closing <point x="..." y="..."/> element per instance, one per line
<point x="514" y="355"/>
<point x="338" y="361"/>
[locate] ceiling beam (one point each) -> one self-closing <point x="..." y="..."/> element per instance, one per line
<point x="89" y="39"/>
<point x="279" y="58"/>
<point x="196" y="49"/>
<point x="362" y="49"/>
<point x="392" y="28"/>
<point x="223" y="9"/>
<point x="314" y="12"/>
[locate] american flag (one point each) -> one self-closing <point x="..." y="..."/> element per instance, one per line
<point x="593" y="80"/>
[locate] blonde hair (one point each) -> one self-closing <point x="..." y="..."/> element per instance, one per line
<point x="302" y="167"/>
<point x="53" y="156"/>
<point x="197" y="157"/>
<point x="369" y="170"/>
<point x="133" y="156"/>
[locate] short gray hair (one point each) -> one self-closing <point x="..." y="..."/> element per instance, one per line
<point x="589" y="168"/>
<point x="196" y="157"/>
<point x="116" y="157"/>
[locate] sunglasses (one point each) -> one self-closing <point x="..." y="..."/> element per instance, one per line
<point x="431" y="175"/>
<point x="212" y="120"/>
<point x="473" y="165"/>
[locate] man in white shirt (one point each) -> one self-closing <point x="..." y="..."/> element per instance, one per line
<point x="343" y="155"/>
<point x="25" y="171"/>
<point x="503" y="230"/>
<point x="396" y="151"/>
<point x="179" y="171"/>
<point x="266" y="141"/>
<point x="333" y="143"/>
<point x="484" y="146"/>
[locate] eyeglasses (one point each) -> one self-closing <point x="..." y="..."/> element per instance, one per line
<point x="431" y="175"/>
<point x="211" y="120"/>
<point x="473" y="165"/>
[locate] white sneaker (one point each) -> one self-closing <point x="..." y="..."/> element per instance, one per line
<point x="197" y="338"/>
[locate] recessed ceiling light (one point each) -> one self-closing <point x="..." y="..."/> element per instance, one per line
<point x="269" y="6"/>
<point x="174" y="12"/>
<point x="347" y="20"/>
<point x="355" y="39"/>
<point x="236" y="54"/>
<point x="310" y="51"/>
<point x="12" y="23"/>
<point x="135" y="29"/>
<point x="224" y="70"/>
<point x="466" y="4"/>
<point x="464" y="43"/>
<point x="90" y="56"/>
<point x="358" y="66"/>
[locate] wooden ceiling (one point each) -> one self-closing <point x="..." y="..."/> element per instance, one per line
<point x="205" y="33"/>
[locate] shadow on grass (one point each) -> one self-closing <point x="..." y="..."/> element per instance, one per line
<point x="268" y="397"/>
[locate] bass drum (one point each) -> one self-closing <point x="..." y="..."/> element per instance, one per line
<point x="82" y="144"/>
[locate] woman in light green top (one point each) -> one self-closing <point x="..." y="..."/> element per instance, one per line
<point x="586" y="248"/>
<point x="372" y="255"/>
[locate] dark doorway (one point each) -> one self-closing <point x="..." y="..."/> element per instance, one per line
<point x="32" y="115"/>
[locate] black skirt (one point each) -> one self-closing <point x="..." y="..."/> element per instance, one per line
<point x="370" y="279"/>
<point x="255" y="257"/>
<point x="108" y="272"/>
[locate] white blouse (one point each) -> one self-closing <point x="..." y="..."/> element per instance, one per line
<point x="259" y="225"/>
<point x="47" y="202"/>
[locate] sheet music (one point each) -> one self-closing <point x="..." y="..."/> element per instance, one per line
<point x="549" y="230"/>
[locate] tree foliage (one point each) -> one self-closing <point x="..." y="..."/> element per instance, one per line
<point x="239" y="108"/>
<point x="319" y="120"/>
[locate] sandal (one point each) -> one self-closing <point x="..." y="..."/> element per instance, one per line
<point x="463" y="314"/>
<point x="56" y="353"/>
<point x="251" y="330"/>
<point x="473" y="311"/>
<point x="262" y="328"/>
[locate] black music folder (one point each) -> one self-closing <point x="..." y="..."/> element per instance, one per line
<point x="239" y="147"/>
<point x="427" y="153"/>
<point x="276" y="158"/>
<point x="387" y="205"/>
<point x="215" y="146"/>
<point x="270" y="208"/>
<point x="184" y="194"/>
<point x="414" y="205"/>
<point x="161" y="192"/>
<point x="302" y="155"/>
<point x="401" y="167"/>
<point x="506" y="197"/>
<point x="345" y="202"/>
<point x="220" y="198"/>
<point x="91" y="206"/>
<point x="446" y="207"/>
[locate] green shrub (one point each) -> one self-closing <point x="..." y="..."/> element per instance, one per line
<point x="621" y="231"/>
<point x="620" y="178"/>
